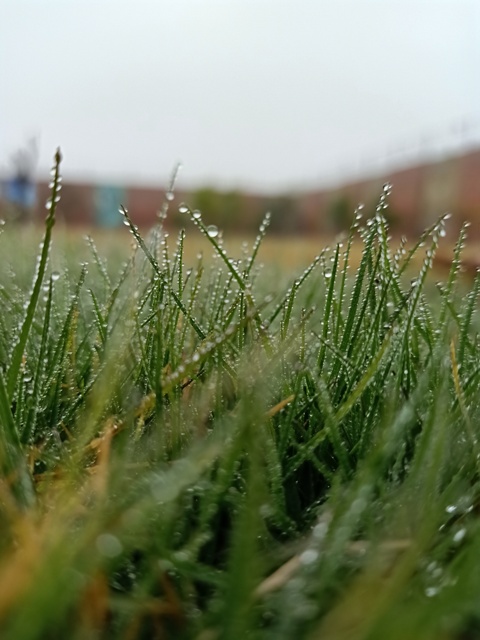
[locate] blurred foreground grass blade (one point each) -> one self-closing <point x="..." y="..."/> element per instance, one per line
<point x="244" y="562"/>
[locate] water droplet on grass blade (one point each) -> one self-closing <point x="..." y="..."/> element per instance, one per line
<point x="212" y="231"/>
<point x="309" y="556"/>
<point x="197" y="214"/>
<point x="459" y="536"/>
<point x="183" y="208"/>
<point x="55" y="275"/>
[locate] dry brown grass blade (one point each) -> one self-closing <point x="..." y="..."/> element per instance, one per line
<point x="18" y="569"/>
<point x="283" y="574"/>
<point x="369" y="597"/>
<point x="156" y="611"/>
<point x="102" y="447"/>
<point x="94" y="605"/>
<point x="278" y="578"/>
<point x="278" y="407"/>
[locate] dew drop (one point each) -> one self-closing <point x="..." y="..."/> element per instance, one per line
<point x="387" y="187"/>
<point x="212" y="231"/>
<point x="309" y="556"/>
<point x="197" y="214"/>
<point x="459" y="536"/>
<point x="55" y="275"/>
<point x="183" y="208"/>
<point x="169" y="196"/>
<point x="320" y="530"/>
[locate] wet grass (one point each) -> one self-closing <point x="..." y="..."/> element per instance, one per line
<point x="201" y="449"/>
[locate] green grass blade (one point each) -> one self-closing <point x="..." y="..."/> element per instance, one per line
<point x="19" y="348"/>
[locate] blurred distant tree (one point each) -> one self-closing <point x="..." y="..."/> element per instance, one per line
<point x="225" y="209"/>
<point x="233" y="204"/>
<point x="209" y="201"/>
<point x="339" y="213"/>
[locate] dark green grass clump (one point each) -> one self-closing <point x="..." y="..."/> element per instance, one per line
<point x="203" y="453"/>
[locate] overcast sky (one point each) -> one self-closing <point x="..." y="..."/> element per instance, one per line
<point x="265" y="94"/>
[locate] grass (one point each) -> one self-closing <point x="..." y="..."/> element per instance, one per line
<point x="207" y="452"/>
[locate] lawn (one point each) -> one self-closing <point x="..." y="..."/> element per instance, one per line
<point x="206" y="448"/>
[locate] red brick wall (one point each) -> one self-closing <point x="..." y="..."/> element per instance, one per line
<point x="468" y="206"/>
<point x="75" y="206"/>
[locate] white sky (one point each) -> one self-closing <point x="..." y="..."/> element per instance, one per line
<point x="265" y="94"/>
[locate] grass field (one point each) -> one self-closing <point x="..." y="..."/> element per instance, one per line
<point x="213" y="449"/>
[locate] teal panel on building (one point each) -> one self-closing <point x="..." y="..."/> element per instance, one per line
<point x="108" y="199"/>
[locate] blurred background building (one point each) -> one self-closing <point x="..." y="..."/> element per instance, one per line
<point x="420" y="194"/>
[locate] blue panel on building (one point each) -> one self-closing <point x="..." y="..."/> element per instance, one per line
<point x="107" y="200"/>
<point x="20" y="192"/>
